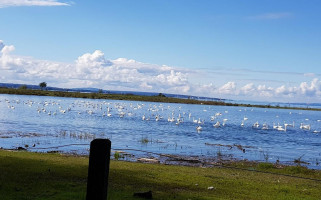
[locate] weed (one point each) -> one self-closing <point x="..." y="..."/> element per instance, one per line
<point x="299" y="161"/>
<point x="219" y="153"/>
<point x="277" y="162"/>
<point x="118" y="155"/>
<point x="266" y="155"/>
<point x="144" y="140"/>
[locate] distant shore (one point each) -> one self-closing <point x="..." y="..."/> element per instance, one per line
<point x="131" y="97"/>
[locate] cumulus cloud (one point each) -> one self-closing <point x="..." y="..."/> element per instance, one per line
<point x="228" y="88"/>
<point x="265" y="91"/>
<point x="248" y="89"/>
<point x="94" y="70"/>
<point x="282" y="90"/>
<point x="312" y="89"/>
<point x="283" y="93"/>
<point x="5" y="49"/>
<point x="11" y="3"/>
<point x="305" y="89"/>
<point x="256" y="91"/>
<point x="95" y="59"/>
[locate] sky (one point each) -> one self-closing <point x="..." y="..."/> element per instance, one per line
<point x="267" y="50"/>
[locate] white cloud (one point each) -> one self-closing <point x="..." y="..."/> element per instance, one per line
<point x="95" y="59"/>
<point x="228" y="88"/>
<point x="145" y="85"/>
<point x="265" y="91"/>
<point x="283" y="93"/>
<point x="248" y="89"/>
<point x="94" y="70"/>
<point x="5" y="49"/>
<point x="11" y="3"/>
<point x="312" y="89"/>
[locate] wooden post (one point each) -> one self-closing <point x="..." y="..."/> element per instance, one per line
<point x="99" y="158"/>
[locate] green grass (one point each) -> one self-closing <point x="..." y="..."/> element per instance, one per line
<point x="131" y="97"/>
<point x="25" y="175"/>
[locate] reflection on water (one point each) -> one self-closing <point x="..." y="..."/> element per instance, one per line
<point x="69" y="124"/>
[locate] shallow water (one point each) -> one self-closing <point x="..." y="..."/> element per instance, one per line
<point x="69" y="124"/>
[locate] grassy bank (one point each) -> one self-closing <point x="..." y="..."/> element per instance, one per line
<point x="26" y="175"/>
<point x="131" y="97"/>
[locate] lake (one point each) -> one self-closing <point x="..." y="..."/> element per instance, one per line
<point x="143" y="129"/>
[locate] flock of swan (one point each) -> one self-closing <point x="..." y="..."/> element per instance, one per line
<point x="156" y="112"/>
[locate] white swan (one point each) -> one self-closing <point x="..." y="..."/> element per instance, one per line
<point x="256" y="125"/>
<point x="171" y="119"/>
<point x="290" y="125"/>
<point x="217" y="124"/>
<point x="195" y="120"/>
<point x="305" y="127"/>
<point x="280" y="128"/>
<point x="198" y="128"/>
<point x="224" y="121"/>
<point x="265" y="126"/>
<point x="122" y="114"/>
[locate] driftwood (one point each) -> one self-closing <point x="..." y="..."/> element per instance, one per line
<point x="148" y="160"/>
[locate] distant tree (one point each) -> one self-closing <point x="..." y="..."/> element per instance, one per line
<point x="161" y="95"/>
<point x="100" y="91"/>
<point x="23" y="87"/>
<point x="42" y="85"/>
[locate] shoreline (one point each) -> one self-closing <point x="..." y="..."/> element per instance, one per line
<point x="176" y="159"/>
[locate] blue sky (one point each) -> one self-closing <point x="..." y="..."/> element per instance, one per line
<point x="249" y="50"/>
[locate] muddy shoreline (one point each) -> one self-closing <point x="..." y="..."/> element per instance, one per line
<point x="223" y="160"/>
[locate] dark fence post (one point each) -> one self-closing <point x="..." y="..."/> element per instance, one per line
<point x="99" y="158"/>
